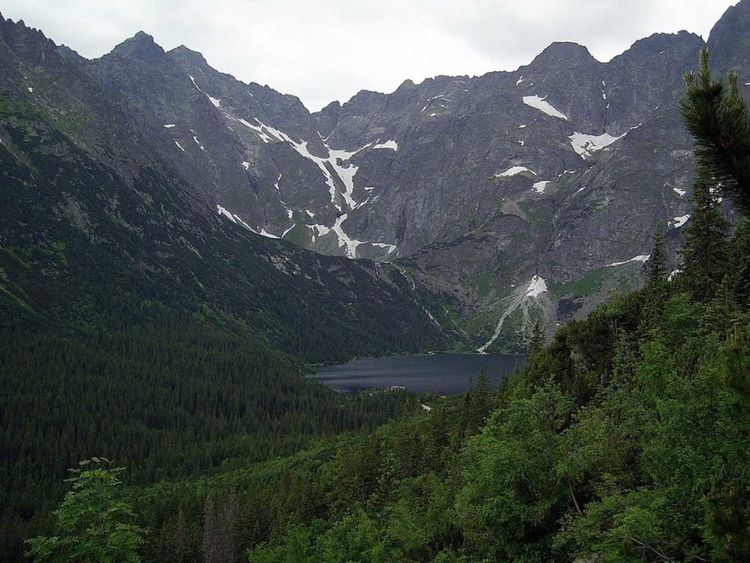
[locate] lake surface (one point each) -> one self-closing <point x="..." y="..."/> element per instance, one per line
<point x="445" y="374"/>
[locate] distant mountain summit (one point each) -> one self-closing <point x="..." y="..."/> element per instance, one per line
<point x="140" y="46"/>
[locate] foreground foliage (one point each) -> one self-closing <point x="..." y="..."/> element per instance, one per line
<point x="93" y="522"/>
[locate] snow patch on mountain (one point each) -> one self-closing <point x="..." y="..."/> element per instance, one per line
<point x="222" y="211"/>
<point x="539" y="187"/>
<point x="521" y="299"/>
<point x="336" y="159"/>
<point x="585" y="145"/>
<point x="215" y="101"/>
<point x="319" y="230"/>
<point x="513" y="171"/>
<point x="536" y="287"/>
<point x="344" y="239"/>
<point x="640" y="258"/>
<point x="391" y="247"/>
<point x="391" y="145"/>
<point x="259" y="130"/>
<point x="539" y="103"/>
<point x="237" y="220"/>
<point x="345" y="173"/>
<point x="678" y="222"/>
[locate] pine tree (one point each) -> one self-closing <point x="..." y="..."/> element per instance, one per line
<point x="717" y="117"/>
<point x="704" y="252"/>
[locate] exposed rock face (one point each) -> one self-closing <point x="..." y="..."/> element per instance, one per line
<point x="384" y="175"/>
<point x="729" y="41"/>
<point x="559" y="169"/>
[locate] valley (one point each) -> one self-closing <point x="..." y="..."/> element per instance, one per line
<point x="476" y="318"/>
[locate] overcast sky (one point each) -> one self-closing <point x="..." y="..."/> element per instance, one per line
<point x="328" y="50"/>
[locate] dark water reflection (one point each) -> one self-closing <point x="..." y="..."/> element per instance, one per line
<point x="445" y="374"/>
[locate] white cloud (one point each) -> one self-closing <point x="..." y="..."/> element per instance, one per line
<point x="330" y="49"/>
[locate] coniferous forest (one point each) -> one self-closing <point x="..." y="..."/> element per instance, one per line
<point x="164" y="436"/>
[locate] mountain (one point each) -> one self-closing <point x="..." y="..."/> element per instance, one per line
<point x="471" y="186"/>
<point x="524" y="196"/>
<point x="99" y="230"/>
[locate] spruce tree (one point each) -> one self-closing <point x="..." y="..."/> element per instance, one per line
<point x="537" y="340"/>
<point x="657" y="263"/>
<point x="656" y="282"/>
<point x="477" y="404"/>
<point x="704" y="252"/>
<point x="717" y="118"/>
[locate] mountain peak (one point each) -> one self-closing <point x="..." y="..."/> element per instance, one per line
<point x="563" y="53"/>
<point x="70" y="54"/>
<point x="657" y="43"/>
<point x="188" y="54"/>
<point x="140" y="46"/>
<point x="25" y="41"/>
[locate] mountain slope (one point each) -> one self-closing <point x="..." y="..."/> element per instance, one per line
<point x="96" y="226"/>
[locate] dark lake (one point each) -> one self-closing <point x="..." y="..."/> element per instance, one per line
<point x="445" y="374"/>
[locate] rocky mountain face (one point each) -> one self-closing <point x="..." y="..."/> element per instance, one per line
<point x="525" y="195"/>
<point x="98" y="229"/>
